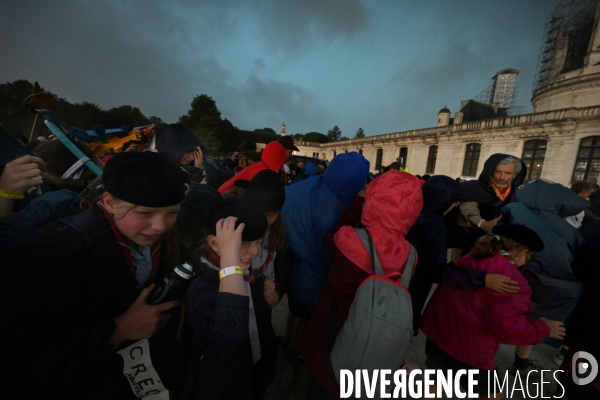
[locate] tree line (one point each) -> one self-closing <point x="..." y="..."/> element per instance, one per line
<point x="203" y="118"/>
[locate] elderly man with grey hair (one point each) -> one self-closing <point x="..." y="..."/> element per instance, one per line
<point x="480" y="211"/>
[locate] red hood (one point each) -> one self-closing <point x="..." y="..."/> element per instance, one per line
<point x="393" y="203"/>
<point x="274" y="156"/>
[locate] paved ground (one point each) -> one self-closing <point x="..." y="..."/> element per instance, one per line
<point x="292" y="378"/>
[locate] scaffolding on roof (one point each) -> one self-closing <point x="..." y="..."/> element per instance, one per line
<point x="503" y="90"/>
<point x="565" y="44"/>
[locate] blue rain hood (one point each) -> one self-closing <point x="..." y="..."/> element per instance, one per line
<point x="312" y="208"/>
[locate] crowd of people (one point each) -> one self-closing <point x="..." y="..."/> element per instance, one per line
<point x="82" y="257"/>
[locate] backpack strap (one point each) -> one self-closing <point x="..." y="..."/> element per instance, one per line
<point x="366" y="240"/>
<point x="409" y="267"/>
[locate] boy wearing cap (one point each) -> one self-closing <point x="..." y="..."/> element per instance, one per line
<point x="289" y="146"/>
<point x="77" y="287"/>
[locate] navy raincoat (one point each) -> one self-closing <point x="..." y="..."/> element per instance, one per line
<point x="542" y="207"/>
<point x="428" y="235"/>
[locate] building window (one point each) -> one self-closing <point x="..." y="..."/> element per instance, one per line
<point x="587" y="165"/>
<point x="360" y="152"/>
<point x="316" y="155"/>
<point x="431" y="157"/>
<point x="534" y="152"/>
<point x="402" y="157"/>
<point x="378" y="159"/>
<point x="334" y="153"/>
<point x="471" y="159"/>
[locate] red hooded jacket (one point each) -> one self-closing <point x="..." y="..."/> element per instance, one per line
<point x="273" y="157"/>
<point x="392" y="204"/>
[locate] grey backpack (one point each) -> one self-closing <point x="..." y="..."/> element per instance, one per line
<point x="378" y="331"/>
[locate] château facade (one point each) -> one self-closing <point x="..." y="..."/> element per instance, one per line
<point x="559" y="141"/>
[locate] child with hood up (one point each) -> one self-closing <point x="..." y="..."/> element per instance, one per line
<point x="392" y="203"/>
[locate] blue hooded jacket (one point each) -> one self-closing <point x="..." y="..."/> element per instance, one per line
<point x="312" y="208"/>
<point x="309" y="171"/>
<point x="542" y="206"/>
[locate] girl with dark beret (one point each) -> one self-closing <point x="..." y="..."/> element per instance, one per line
<point x="270" y="270"/>
<point x="266" y="192"/>
<point x="465" y="328"/>
<point x="222" y="318"/>
<point x="76" y="288"/>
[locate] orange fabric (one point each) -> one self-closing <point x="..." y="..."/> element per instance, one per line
<point x="502" y="194"/>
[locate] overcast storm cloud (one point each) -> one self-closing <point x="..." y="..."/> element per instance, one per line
<point x="384" y="66"/>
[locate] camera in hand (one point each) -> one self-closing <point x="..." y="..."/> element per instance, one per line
<point x="172" y="286"/>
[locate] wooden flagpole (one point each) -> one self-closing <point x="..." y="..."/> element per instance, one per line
<point x="37" y="114"/>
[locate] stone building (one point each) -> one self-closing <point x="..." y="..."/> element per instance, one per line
<point x="559" y="141"/>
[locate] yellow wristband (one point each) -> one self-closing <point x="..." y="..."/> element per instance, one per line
<point x="237" y="270"/>
<point x="11" y="195"/>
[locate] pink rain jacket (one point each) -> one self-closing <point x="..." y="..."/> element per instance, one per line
<point x="470" y="325"/>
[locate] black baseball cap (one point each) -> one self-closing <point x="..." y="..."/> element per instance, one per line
<point x="288" y="143"/>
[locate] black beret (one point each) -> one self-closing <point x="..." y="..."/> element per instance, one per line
<point x="255" y="222"/>
<point x="145" y="179"/>
<point x="266" y="191"/>
<point x="521" y="234"/>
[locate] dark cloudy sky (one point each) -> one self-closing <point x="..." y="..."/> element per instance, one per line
<point x="383" y="65"/>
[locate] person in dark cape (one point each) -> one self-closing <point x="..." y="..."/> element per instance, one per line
<point x="501" y="176"/>
<point x="441" y="194"/>
<point x="555" y="290"/>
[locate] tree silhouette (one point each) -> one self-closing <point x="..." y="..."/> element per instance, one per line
<point x="316" y="137"/>
<point x="334" y="134"/>
<point x="202" y="106"/>
<point x="266" y="130"/>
